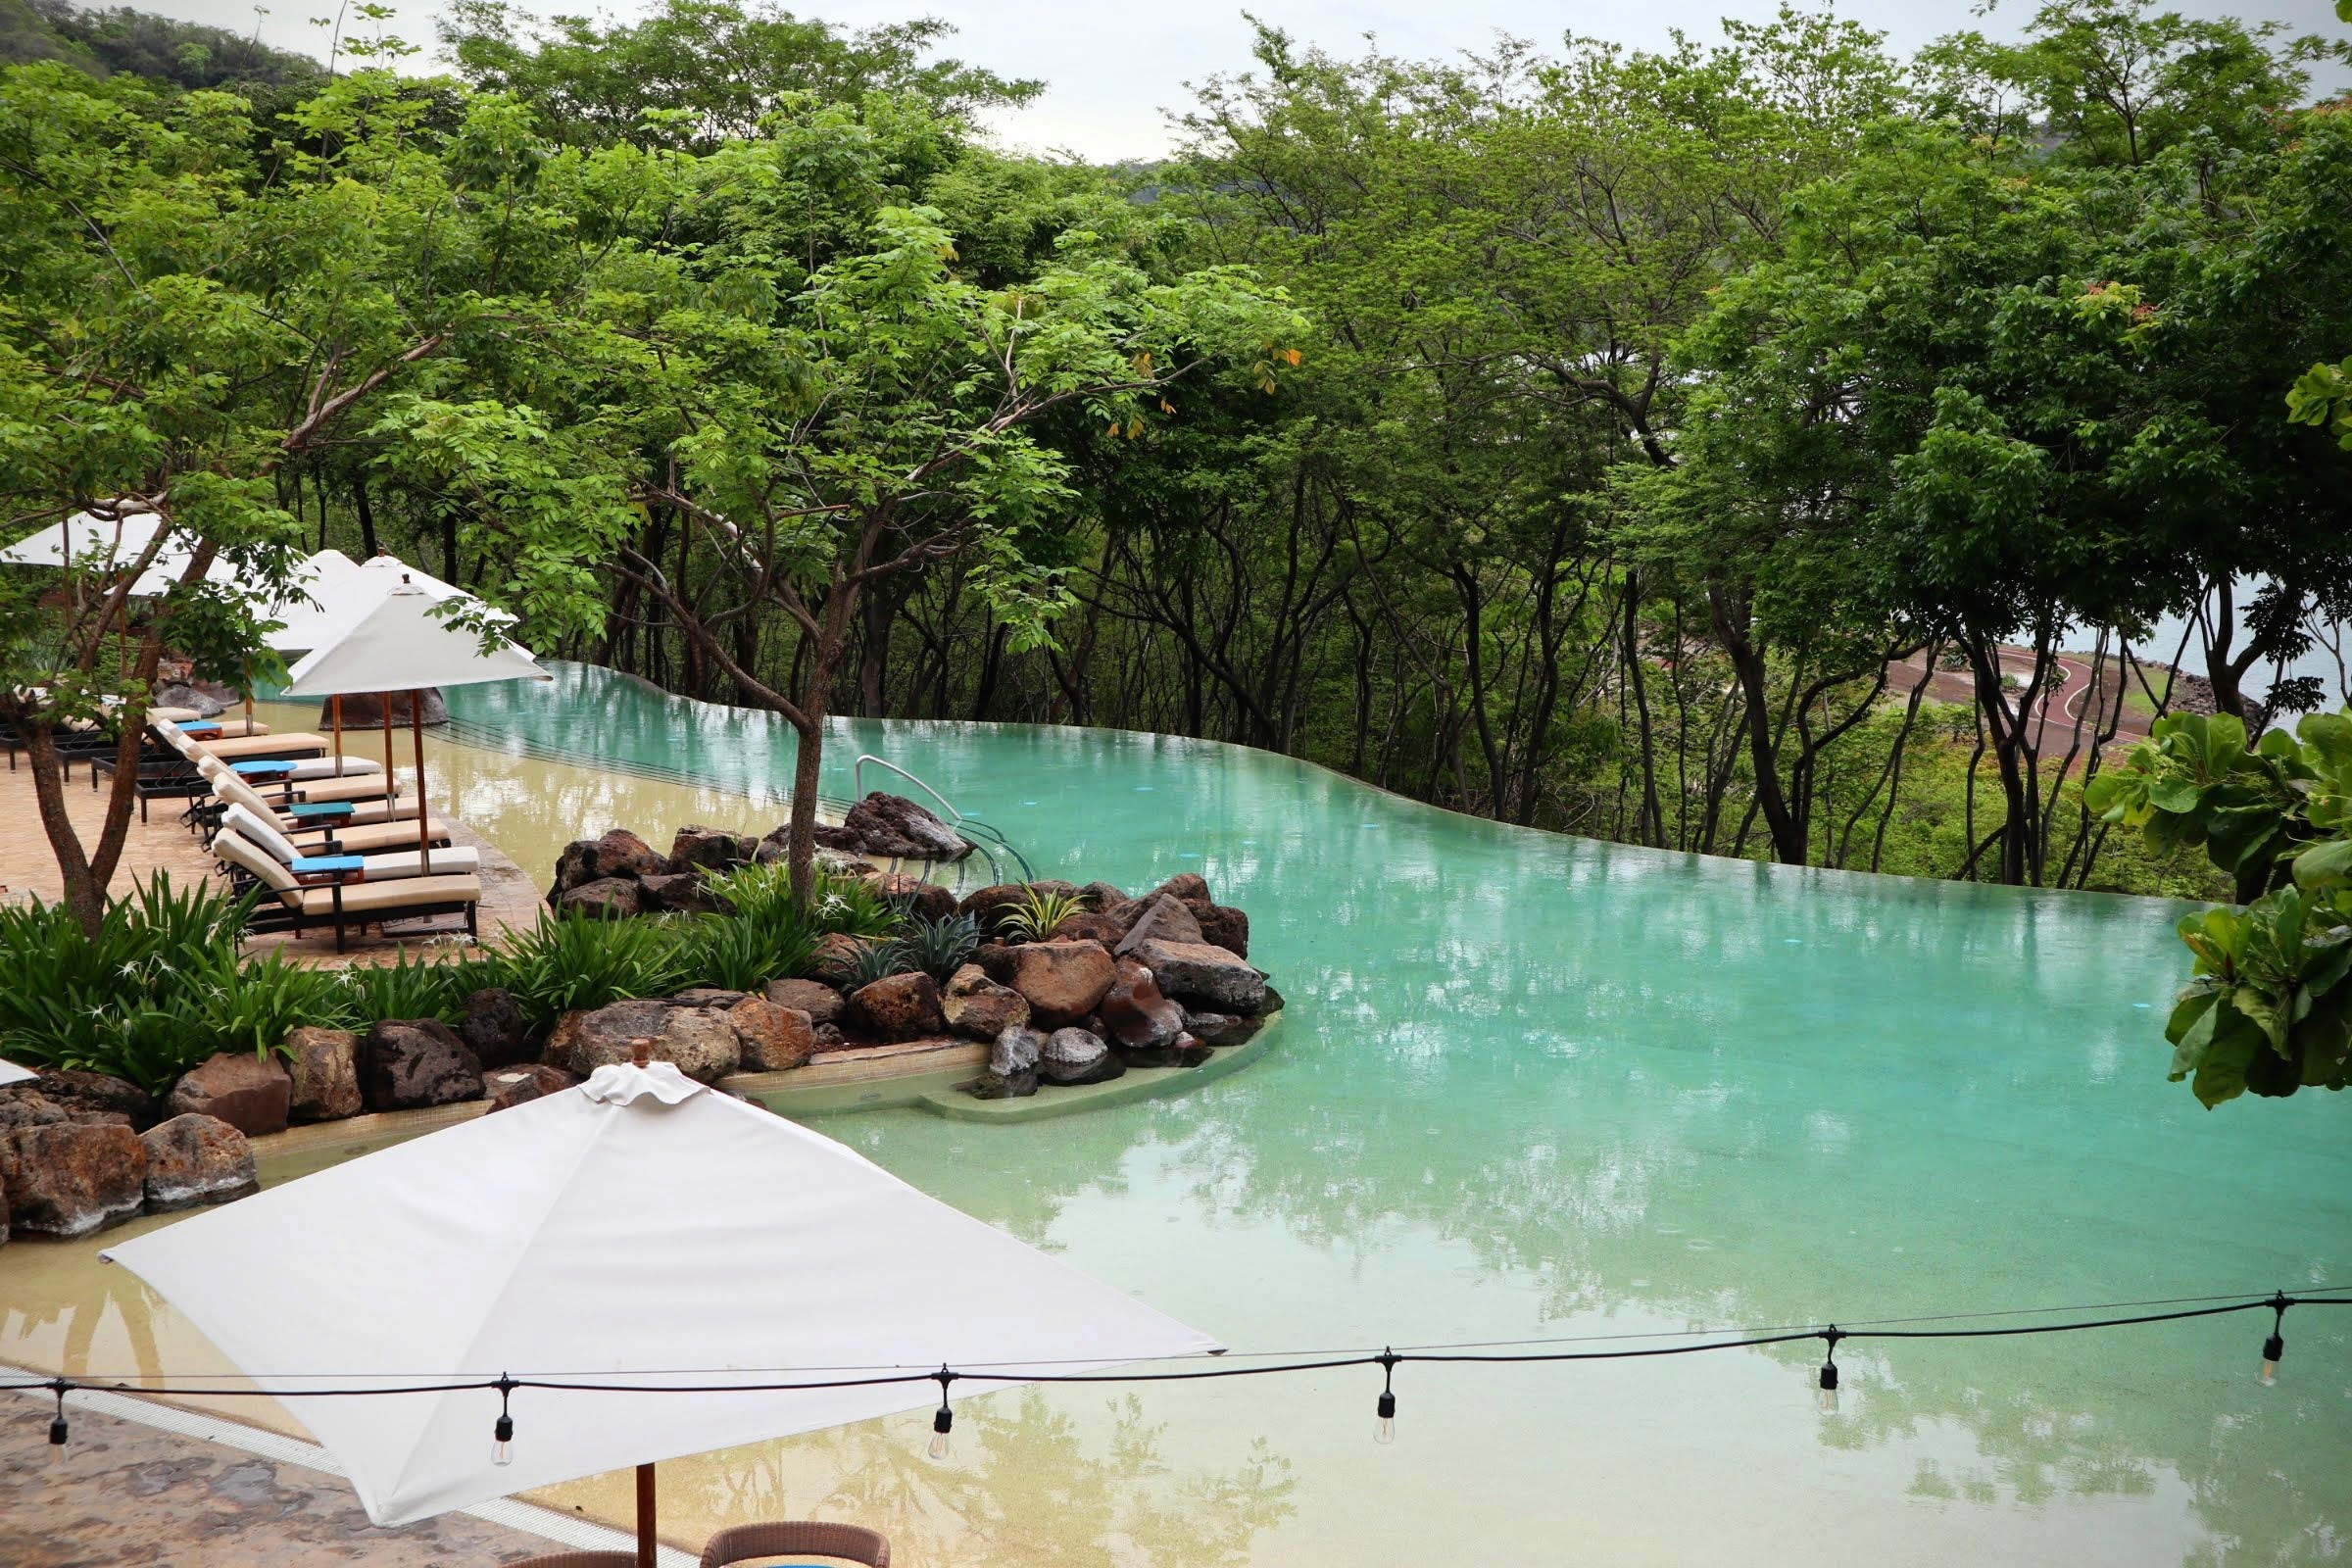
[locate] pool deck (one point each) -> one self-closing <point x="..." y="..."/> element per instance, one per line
<point x="28" y="865"/>
<point x="122" y="1492"/>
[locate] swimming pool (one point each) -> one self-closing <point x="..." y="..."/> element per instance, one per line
<point x="1534" y="1086"/>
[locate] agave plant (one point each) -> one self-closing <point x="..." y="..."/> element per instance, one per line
<point x="1038" y="910"/>
<point x="871" y="960"/>
<point x="939" y="947"/>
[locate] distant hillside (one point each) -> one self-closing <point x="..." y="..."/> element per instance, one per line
<point x="121" y="39"/>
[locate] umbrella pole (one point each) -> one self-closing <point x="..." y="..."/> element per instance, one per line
<point x="334" y="706"/>
<point x="644" y="1516"/>
<point x="424" y="836"/>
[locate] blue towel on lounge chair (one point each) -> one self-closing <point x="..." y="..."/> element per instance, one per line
<point x="305" y="864"/>
<point x="320" y="808"/>
<point x="258" y="770"/>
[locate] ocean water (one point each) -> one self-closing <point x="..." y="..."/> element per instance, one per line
<point x="1531" y="1086"/>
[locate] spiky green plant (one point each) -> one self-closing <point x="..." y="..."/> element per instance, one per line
<point x="871" y="961"/>
<point x="939" y="947"/>
<point x="1034" y="915"/>
<point x="575" y="961"/>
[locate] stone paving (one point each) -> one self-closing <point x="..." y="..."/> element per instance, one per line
<point x="122" y="1493"/>
<point x="28" y="865"/>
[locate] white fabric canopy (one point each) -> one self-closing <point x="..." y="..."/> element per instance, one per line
<point x="401" y="645"/>
<point x="339" y="598"/>
<point x="638" y="1228"/>
<point x="95" y="542"/>
<point x="11" y="1073"/>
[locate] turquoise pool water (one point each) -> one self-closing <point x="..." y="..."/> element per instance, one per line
<point x="1535" y="1086"/>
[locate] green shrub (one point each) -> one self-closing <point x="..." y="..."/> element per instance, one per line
<point x="1034" y="915"/>
<point x="872" y="962"/>
<point x="939" y="947"/>
<point x="743" y="954"/>
<point x="252" y="1005"/>
<point x="852" y="906"/>
<point x="574" y="962"/>
<point x="422" y="988"/>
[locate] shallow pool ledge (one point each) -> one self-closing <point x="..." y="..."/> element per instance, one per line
<point x="935" y="1084"/>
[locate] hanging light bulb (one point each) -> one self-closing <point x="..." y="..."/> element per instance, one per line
<point x="2275" y="1345"/>
<point x="1384" y="1430"/>
<point x="57" y="1426"/>
<point x="943" y="1420"/>
<point x="1829" y="1372"/>
<point x="502" y="1432"/>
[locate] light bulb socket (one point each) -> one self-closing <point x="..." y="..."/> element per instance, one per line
<point x="1829" y="1377"/>
<point x="57" y="1433"/>
<point x="2273" y="1349"/>
<point x="1387" y="1409"/>
<point x="504" y="1430"/>
<point x="943" y="1420"/>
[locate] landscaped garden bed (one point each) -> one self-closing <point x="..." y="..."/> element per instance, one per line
<point x="162" y="1051"/>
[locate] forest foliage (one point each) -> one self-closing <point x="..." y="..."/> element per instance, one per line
<point x="1766" y="446"/>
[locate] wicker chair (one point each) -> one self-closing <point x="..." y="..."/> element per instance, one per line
<point x="749" y="1542"/>
<point x="577" y="1559"/>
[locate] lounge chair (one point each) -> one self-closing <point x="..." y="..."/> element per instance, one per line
<point x="334" y="890"/>
<point x="294" y="812"/>
<point x="796" y="1538"/>
<point x="332" y="837"/>
<point x="386" y="858"/>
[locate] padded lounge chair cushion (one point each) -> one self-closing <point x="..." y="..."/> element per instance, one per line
<point x="246" y="748"/>
<point x="378" y="899"/>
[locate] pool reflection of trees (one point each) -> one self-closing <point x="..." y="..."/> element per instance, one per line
<point x="1029" y="1485"/>
<point x="2050" y="1417"/>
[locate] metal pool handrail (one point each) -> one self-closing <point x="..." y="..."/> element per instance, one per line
<point x="987" y="835"/>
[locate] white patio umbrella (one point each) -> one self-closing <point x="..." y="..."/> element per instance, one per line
<point x="101" y="543"/>
<point x="11" y="1073"/>
<point x="402" y="645"/>
<point x="638" y="1230"/>
<point x="340" y="600"/>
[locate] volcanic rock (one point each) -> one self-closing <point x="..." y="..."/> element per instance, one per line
<point x="241" y="1089"/>
<point x="1137" y="1018"/>
<point x="196" y="1160"/>
<point x="979" y="1009"/>
<point x="611" y="898"/>
<point x="1062" y="981"/>
<point x="325" y="1066"/>
<point x="509" y="1087"/>
<point x="1164" y="919"/>
<point x="1073" y="1056"/>
<point x="495" y="1029"/>
<point x="710" y="848"/>
<point x="820" y="1001"/>
<point x="1011" y="1067"/>
<point x="700" y="1040"/>
<point x="677" y="892"/>
<point x="774" y="1039"/>
<point x="927" y="901"/>
<point x="70" y="1178"/>
<point x="408" y="1064"/>
<point x="898" y="1006"/>
<point x="1221" y="1028"/>
<point x="1207" y="977"/>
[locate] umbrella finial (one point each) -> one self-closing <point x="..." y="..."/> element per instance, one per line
<point x="641" y="1051"/>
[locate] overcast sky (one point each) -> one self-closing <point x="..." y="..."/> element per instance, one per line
<point x="1112" y="70"/>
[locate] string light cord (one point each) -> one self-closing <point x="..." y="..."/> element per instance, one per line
<point x="1387" y="1359"/>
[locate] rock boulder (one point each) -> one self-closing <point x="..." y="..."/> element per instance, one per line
<point x="363" y="709"/>
<point x="325" y="1066"/>
<point x="1220" y="1028"/>
<point x="774" y="1039"/>
<point x="1062" y="981"/>
<point x="820" y="1001"/>
<point x="992" y="904"/>
<point x="701" y="1041"/>
<point x="1073" y="1056"/>
<point x="618" y="853"/>
<point x="495" y="1028"/>
<point x="898" y="1006"/>
<point x="196" y="1160"/>
<point x="677" y="893"/>
<point x="1164" y="919"/>
<point x="712" y="849"/>
<point x="509" y="1087"/>
<point x="409" y="1063"/>
<point x="1205" y="977"/>
<point x="1222" y="926"/>
<point x="894" y="827"/>
<point x="70" y="1178"/>
<point x="85" y="1094"/>
<point x="609" y="898"/>
<point x="927" y="901"/>
<point x="1011" y="1067"/>
<point x="979" y="1009"/>
<point x="239" y="1087"/>
<point x="1136" y="1018"/>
